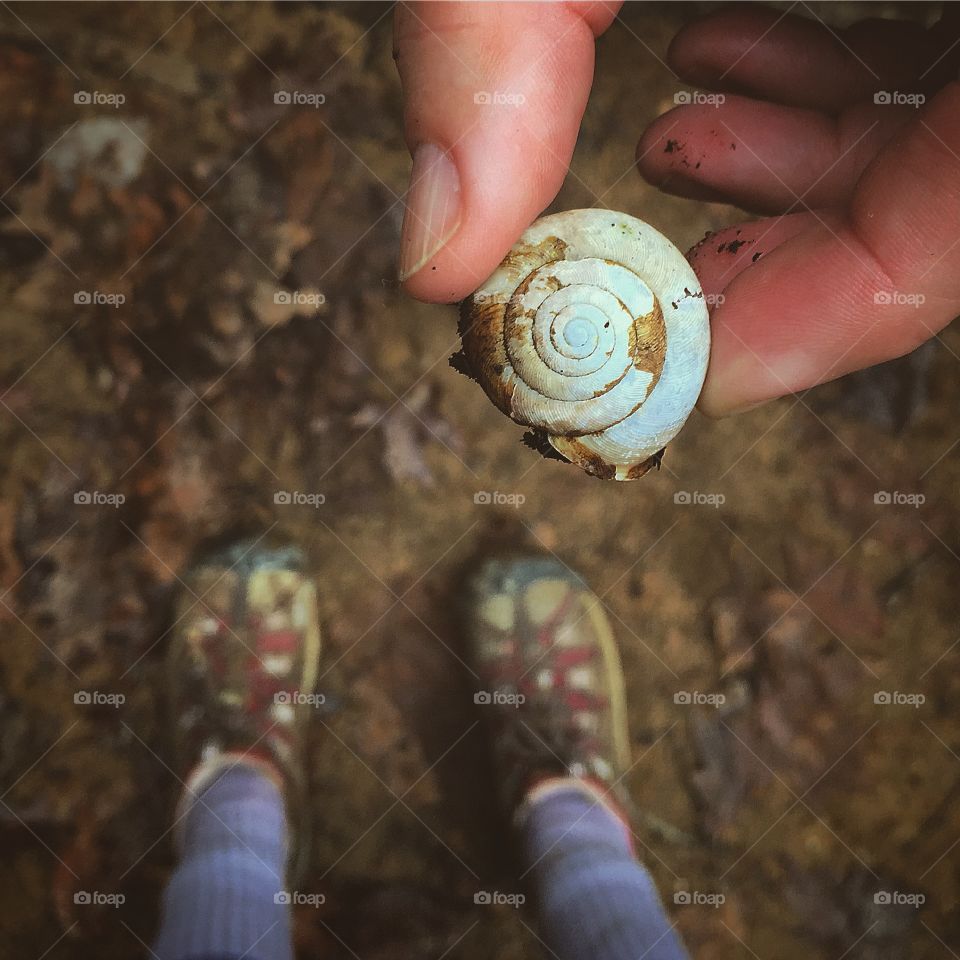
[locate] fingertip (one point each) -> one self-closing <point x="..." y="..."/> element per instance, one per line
<point x="431" y="285"/>
<point x="702" y="51"/>
<point x="664" y="158"/>
<point x="452" y="274"/>
<point x="687" y="55"/>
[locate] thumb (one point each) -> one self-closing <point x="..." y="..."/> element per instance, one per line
<point x="493" y="97"/>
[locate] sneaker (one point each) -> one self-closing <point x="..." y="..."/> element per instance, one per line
<point x="552" y="685"/>
<point x="242" y="668"/>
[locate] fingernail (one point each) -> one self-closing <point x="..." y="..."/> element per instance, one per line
<point x="433" y="208"/>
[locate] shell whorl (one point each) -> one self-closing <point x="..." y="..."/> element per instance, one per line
<point x="593" y="331"/>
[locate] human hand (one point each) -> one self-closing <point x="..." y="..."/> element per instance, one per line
<point x="862" y="261"/>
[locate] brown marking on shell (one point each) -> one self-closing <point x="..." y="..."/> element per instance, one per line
<point x="639" y="469"/>
<point x="647" y="347"/>
<point x="648" y="343"/>
<point x="577" y="453"/>
<point x="482" y="321"/>
<point x="607" y="387"/>
<point x="481" y="331"/>
<point x="524" y="258"/>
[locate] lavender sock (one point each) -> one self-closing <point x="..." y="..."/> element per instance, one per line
<point x="596" y="902"/>
<point x="221" y="902"/>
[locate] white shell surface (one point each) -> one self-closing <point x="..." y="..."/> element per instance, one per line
<point x="569" y="322"/>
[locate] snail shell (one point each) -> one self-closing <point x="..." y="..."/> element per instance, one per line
<point x="594" y="332"/>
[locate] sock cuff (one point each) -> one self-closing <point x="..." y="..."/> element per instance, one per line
<point x="543" y="790"/>
<point x="206" y="773"/>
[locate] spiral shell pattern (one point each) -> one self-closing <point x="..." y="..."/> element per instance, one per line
<point x="593" y="331"/>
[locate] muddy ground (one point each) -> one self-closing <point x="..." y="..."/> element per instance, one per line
<point x="799" y="597"/>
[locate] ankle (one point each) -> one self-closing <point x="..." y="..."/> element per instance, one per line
<point x="540" y="787"/>
<point x="208" y="770"/>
